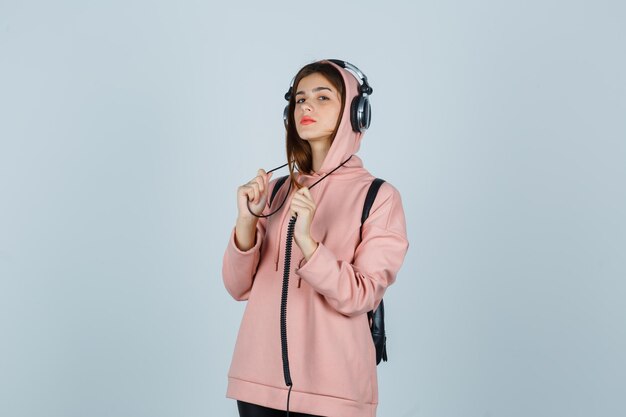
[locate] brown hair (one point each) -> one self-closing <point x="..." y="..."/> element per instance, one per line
<point x="299" y="152"/>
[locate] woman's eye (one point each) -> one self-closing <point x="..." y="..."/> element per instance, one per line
<point x="323" y="98"/>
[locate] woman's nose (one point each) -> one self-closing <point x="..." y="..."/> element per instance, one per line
<point x="306" y="106"/>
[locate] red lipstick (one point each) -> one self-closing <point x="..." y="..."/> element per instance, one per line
<point x="306" y="120"/>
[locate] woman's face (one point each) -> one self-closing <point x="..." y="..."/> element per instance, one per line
<point x="318" y="104"/>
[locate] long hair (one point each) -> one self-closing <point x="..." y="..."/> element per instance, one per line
<point x="299" y="154"/>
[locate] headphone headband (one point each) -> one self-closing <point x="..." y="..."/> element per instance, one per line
<point x="365" y="87"/>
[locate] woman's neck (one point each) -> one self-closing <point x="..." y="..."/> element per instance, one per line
<point x="320" y="150"/>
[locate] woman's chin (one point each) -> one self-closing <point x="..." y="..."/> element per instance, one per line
<point x="315" y="139"/>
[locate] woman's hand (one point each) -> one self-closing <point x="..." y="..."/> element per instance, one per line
<point x="303" y="204"/>
<point x="255" y="191"/>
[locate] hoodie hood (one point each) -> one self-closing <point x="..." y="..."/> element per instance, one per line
<point x="347" y="141"/>
<point x="345" y="145"/>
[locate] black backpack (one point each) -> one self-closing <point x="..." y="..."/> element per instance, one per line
<point x="376" y="317"/>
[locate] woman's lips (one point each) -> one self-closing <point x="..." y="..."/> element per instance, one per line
<point x="306" y="121"/>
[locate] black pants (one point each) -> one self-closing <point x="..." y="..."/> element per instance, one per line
<point x="253" y="410"/>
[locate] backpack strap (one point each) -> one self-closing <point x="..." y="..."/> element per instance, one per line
<point x="279" y="183"/>
<point x="369" y="200"/>
<point x="376" y="318"/>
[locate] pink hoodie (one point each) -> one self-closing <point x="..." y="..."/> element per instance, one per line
<point x="331" y="354"/>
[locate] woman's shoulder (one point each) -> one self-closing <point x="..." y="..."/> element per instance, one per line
<point x="386" y="190"/>
<point x="387" y="194"/>
<point x="387" y="210"/>
<point x="364" y="179"/>
<point x="387" y="200"/>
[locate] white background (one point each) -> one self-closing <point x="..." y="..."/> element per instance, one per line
<point x="126" y="126"/>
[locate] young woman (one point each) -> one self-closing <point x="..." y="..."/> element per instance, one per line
<point x="337" y="275"/>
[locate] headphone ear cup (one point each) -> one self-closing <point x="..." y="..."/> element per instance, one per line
<point x="367" y="114"/>
<point x="354" y="114"/>
<point x="288" y="98"/>
<point x="360" y="113"/>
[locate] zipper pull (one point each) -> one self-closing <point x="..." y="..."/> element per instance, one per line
<point x="300" y="266"/>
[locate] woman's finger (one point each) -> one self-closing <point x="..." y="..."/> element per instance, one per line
<point x="266" y="183"/>
<point x="302" y="208"/>
<point x="255" y="192"/>
<point x="262" y="179"/>
<point x="257" y="182"/>
<point x="304" y="197"/>
<point x="303" y="201"/>
<point x="299" y="203"/>
<point x="305" y="191"/>
<point x="305" y="194"/>
<point x="249" y="193"/>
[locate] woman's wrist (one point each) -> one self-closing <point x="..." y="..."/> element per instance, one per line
<point x="247" y="221"/>
<point x="308" y="248"/>
<point x="245" y="233"/>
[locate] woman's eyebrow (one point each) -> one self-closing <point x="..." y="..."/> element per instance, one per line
<point x="315" y="90"/>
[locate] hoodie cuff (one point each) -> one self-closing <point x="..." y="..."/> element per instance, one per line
<point x="317" y="268"/>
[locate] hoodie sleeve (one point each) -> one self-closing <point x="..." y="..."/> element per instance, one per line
<point x="239" y="267"/>
<point x="357" y="288"/>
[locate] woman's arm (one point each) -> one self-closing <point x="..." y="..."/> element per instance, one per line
<point x="357" y="288"/>
<point x="241" y="258"/>
<point x="239" y="266"/>
<point x="245" y="233"/>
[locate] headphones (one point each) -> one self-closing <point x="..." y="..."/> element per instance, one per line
<point x="360" y="110"/>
